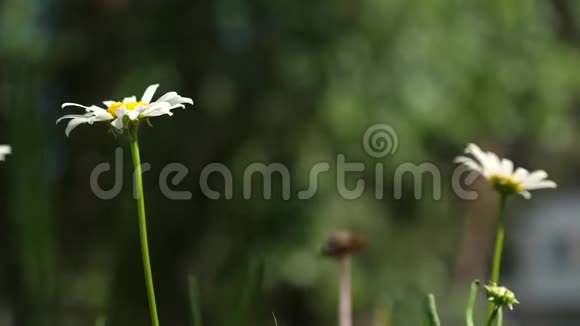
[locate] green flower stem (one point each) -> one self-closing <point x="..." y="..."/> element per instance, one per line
<point x="471" y="303"/>
<point x="133" y="137"/>
<point x="194" y="301"/>
<point x="493" y="315"/>
<point x="430" y="316"/>
<point x="496" y="264"/>
<point x="495" y="268"/>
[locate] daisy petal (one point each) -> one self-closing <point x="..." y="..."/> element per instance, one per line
<point x="103" y="116"/>
<point x="117" y="123"/>
<point x="74" y="123"/>
<point x="545" y="184"/>
<point x="536" y="176"/>
<point x="173" y="98"/>
<point x="520" y="174"/>
<point x="468" y="162"/>
<point x="120" y="113"/>
<point x="157" y="113"/>
<point x="167" y="97"/>
<point x="177" y="106"/>
<point x="64" y="105"/>
<point x="74" y="116"/>
<point x="494" y="162"/>
<point x="96" y="109"/>
<point x="149" y="92"/>
<point x="525" y="194"/>
<point x="157" y="109"/>
<point x="5" y="150"/>
<point x="186" y="100"/>
<point x="507" y="166"/>
<point x="476" y="152"/>
<point x="132" y="114"/>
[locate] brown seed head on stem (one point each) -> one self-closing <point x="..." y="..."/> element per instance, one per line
<point x="344" y="243"/>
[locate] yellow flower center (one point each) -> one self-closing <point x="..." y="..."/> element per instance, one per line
<point x="129" y="105"/>
<point x="505" y="184"/>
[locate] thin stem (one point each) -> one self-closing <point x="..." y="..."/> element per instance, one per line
<point x="194" y="301"/>
<point x="496" y="263"/>
<point x="471" y="303"/>
<point x="430" y="315"/>
<point x="499" y="317"/>
<point x="344" y="304"/>
<point x="493" y="315"/>
<point x="495" y="268"/>
<point x="133" y="137"/>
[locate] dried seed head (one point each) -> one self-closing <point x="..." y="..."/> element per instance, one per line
<point x="344" y="243"/>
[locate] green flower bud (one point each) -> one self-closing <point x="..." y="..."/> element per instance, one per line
<point x="501" y="296"/>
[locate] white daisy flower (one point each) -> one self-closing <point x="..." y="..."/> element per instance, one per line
<point x="5" y="150"/>
<point x="123" y="113"/>
<point x="501" y="174"/>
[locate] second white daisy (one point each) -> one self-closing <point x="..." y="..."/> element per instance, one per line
<point x="501" y="174"/>
<point x="123" y="113"/>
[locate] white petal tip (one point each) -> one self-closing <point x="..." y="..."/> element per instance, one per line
<point x="525" y="194"/>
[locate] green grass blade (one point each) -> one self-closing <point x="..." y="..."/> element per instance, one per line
<point x="194" y="301"/>
<point x="430" y="316"/>
<point x="471" y="303"/>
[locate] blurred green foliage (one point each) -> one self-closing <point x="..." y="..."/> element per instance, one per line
<point x="274" y="81"/>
